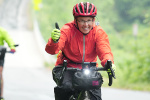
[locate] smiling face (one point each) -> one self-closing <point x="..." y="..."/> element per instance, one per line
<point x="85" y="24"/>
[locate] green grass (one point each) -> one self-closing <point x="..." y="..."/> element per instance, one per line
<point x="49" y="65"/>
<point x="121" y="84"/>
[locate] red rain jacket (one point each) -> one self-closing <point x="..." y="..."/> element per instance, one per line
<point x="78" y="48"/>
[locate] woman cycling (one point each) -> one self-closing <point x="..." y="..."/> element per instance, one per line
<point x="4" y="37"/>
<point x="80" y="41"/>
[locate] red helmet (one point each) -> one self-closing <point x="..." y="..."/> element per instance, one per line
<point x="84" y="9"/>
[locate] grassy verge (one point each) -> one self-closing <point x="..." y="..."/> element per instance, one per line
<point x="120" y="84"/>
<point x="49" y="65"/>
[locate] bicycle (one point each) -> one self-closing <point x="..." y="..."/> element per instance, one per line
<point x="3" y="50"/>
<point x="85" y="81"/>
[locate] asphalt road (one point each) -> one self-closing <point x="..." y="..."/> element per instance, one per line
<point x="25" y="77"/>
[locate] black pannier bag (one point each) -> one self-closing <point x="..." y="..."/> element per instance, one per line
<point x="56" y="73"/>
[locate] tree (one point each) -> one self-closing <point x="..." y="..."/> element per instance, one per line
<point x="132" y="10"/>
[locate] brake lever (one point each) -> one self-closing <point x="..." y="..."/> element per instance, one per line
<point x="113" y="73"/>
<point x="110" y="72"/>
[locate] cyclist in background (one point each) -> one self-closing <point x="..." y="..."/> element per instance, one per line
<point x="79" y="41"/>
<point x="4" y="37"/>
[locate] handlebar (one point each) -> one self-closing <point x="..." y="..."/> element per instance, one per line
<point x="16" y="45"/>
<point x="4" y="49"/>
<point x="111" y="73"/>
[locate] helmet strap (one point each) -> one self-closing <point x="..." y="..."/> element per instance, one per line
<point x="76" y="24"/>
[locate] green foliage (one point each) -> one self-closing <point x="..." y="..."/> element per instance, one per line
<point x="134" y="60"/>
<point x="147" y="19"/>
<point x="131" y="11"/>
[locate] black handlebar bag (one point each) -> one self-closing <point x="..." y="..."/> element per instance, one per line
<point x="87" y="82"/>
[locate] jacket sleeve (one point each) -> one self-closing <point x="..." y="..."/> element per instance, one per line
<point x="54" y="48"/>
<point x="103" y="47"/>
<point x="8" y="39"/>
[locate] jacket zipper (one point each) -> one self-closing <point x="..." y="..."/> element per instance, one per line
<point x="83" y="48"/>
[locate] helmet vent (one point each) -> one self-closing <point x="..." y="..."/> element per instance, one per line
<point x="90" y="6"/>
